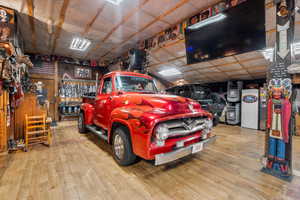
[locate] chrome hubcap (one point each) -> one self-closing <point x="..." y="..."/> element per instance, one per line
<point x="119" y="147"/>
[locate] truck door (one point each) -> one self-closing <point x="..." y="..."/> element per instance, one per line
<point x="103" y="103"/>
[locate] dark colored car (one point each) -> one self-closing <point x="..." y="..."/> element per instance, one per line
<point x="210" y="101"/>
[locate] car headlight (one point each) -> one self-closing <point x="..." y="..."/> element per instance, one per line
<point x="161" y="132"/>
<point x="209" y="124"/>
<point x="208" y="127"/>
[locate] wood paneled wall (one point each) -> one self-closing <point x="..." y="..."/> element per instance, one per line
<point x="29" y="104"/>
<point x="30" y="107"/>
<point x="4" y="128"/>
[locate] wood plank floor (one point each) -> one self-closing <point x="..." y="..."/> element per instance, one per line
<point x="81" y="167"/>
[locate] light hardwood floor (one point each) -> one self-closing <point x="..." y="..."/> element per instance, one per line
<point x="81" y="167"/>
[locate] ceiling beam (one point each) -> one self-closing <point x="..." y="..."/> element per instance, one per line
<point x="124" y="20"/>
<point x="50" y="6"/>
<point x="178" y="5"/>
<point x="90" y="24"/>
<point x="59" y="26"/>
<point x="148" y="13"/>
<point x="30" y="7"/>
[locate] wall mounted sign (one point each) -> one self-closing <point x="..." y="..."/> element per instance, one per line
<point x="83" y="73"/>
<point x="250" y="99"/>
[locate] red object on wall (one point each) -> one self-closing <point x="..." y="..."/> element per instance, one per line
<point x="94" y="63"/>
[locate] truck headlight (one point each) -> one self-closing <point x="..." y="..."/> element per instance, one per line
<point x="161" y="132"/>
<point x="209" y="124"/>
<point x="207" y="129"/>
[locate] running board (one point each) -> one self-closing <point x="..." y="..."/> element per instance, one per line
<point x="100" y="133"/>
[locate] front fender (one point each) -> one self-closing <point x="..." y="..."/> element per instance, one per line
<point x="131" y="118"/>
<point x="88" y="111"/>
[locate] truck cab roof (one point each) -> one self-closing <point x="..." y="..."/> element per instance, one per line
<point x="114" y="73"/>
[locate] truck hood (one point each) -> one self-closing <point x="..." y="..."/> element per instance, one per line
<point x="162" y="104"/>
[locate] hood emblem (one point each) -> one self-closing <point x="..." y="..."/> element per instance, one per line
<point x="191" y="107"/>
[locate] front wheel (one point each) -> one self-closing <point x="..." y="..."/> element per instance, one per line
<point x="81" y="125"/>
<point x="122" y="149"/>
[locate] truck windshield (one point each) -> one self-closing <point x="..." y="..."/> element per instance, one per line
<point x="135" y="84"/>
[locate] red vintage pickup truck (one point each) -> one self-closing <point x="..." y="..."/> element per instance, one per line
<point x="129" y="113"/>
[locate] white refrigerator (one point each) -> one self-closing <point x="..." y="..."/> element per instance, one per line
<point x="250" y="108"/>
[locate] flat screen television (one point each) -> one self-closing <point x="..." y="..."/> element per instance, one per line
<point x="236" y="30"/>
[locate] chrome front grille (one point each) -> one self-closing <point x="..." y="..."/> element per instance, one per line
<point x="185" y="126"/>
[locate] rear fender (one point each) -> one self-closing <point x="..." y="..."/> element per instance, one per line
<point x="88" y="111"/>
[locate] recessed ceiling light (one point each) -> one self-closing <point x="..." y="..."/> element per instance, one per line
<point x="170" y="72"/>
<point x="116" y="2"/>
<point x="80" y="44"/>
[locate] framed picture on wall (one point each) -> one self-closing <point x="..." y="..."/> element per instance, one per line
<point x="83" y="73"/>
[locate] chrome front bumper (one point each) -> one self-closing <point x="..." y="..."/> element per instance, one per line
<point x="182" y="152"/>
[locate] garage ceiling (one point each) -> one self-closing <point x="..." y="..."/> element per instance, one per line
<point x="246" y="66"/>
<point x="48" y="27"/>
<point x="113" y="29"/>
